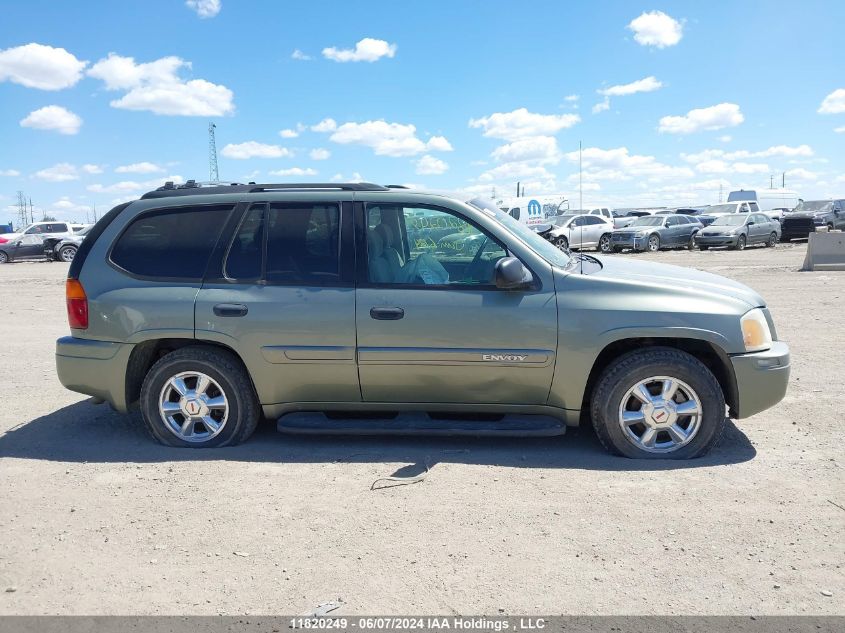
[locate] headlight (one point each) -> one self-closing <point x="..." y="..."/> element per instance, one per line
<point x="640" y="234"/>
<point x="755" y="331"/>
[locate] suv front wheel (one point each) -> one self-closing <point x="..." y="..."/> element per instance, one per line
<point x="198" y="397"/>
<point x="658" y="403"/>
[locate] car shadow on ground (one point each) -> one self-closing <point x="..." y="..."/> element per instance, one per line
<point x="83" y="432"/>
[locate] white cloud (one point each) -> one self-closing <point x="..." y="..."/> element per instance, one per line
<point x="292" y="132"/>
<point x="66" y="205"/>
<point x="127" y="186"/>
<point x="10" y="173"/>
<point x="366" y="50"/>
<point x="356" y="177"/>
<point x="54" y="118"/>
<point x="839" y="130"/>
<point x="156" y="87"/>
<point x="253" y="149"/>
<point x="571" y="98"/>
<point x="775" y="150"/>
<point x="386" y="139"/>
<point x="521" y="123"/>
<point x="542" y="149"/>
<point x="38" y="66"/>
<point x="89" y="168"/>
<point x="326" y="125"/>
<point x="299" y="55"/>
<point x="619" y="164"/>
<point x="716" y="166"/>
<point x="834" y="103"/>
<point x="294" y="171"/>
<point x="647" y="84"/>
<point x="802" y="174"/>
<point x="60" y="172"/>
<point x="713" y="118"/>
<point x="534" y="177"/>
<point x="725" y="138"/>
<point x="655" y="28"/>
<point x="601" y="106"/>
<point x="139" y="168"/>
<point x="319" y="154"/>
<point x="205" y="8"/>
<point x="428" y="165"/>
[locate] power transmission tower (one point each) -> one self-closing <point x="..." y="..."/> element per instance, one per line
<point x="22" y="210"/>
<point x="213" y="174"/>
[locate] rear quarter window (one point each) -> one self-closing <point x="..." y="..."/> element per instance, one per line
<point x="170" y="243"/>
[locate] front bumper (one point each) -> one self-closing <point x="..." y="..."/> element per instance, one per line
<point x="95" y="368"/>
<point x="716" y="240"/>
<point x="628" y="240"/>
<point x="761" y="379"/>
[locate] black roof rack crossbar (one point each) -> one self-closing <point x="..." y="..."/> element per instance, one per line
<point x="192" y="188"/>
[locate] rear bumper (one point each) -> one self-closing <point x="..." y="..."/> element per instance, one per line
<point x="95" y="368"/>
<point x="761" y="379"/>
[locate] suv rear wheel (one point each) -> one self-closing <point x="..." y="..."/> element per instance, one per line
<point x="658" y="403"/>
<point x="199" y="397"/>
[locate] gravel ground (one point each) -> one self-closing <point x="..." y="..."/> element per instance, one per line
<point x="96" y="519"/>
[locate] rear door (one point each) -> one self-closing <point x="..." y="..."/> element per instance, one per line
<point x="432" y="325"/>
<point x="280" y="292"/>
<point x="674" y="231"/>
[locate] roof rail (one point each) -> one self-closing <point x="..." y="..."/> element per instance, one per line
<point x="194" y="188"/>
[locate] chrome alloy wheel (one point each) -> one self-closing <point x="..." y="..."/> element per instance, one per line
<point x="193" y="406"/>
<point x="660" y="414"/>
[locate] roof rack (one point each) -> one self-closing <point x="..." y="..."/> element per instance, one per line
<point x="194" y="188"/>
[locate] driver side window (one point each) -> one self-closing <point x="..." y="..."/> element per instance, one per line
<point x="426" y="246"/>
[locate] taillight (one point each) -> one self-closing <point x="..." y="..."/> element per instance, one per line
<point x="3" y="240"/>
<point x="77" y="305"/>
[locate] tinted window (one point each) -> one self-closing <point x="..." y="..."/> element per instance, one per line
<point x="594" y="220"/>
<point x="246" y="252"/>
<point x="673" y="221"/>
<point x="754" y="206"/>
<point x="303" y="243"/>
<point x="172" y="243"/>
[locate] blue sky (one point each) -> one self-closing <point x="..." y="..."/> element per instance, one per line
<point x="101" y="101"/>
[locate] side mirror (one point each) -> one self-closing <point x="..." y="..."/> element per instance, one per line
<point x="751" y="223"/>
<point x="511" y="274"/>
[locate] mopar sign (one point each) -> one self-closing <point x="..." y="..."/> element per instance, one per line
<point x="534" y="209"/>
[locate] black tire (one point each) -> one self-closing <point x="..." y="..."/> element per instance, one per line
<point x="740" y="243"/>
<point x="561" y="242"/>
<point x="703" y="247"/>
<point x="67" y="254"/>
<point x="691" y="243"/>
<point x="4" y="257"/>
<point x="605" y="245"/>
<point x="773" y="240"/>
<point x="617" y="249"/>
<point x="227" y="371"/>
<point x="653" y="243"/>
<point x="626" y="371"/>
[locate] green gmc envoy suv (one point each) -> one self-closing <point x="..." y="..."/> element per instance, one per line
<point x="357" y="308"/>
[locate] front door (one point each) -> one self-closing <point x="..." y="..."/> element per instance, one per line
<point x="432" y="325"/>
<point x="282" y="295"/>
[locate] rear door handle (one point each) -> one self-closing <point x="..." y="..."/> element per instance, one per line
<point x="387" y="314"/>
<point x="230" y="310"/>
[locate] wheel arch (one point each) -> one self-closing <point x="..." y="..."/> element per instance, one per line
<point x="714" y="357"/>
<point x="145" y="354"/>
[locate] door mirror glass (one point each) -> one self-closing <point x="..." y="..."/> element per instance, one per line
<point x="511" y="274"/>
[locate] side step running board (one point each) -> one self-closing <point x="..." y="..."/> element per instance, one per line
<point x="418" y="423"/>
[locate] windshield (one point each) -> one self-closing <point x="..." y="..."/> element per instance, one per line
<point x="722" y="208"/>
<point x="814" y="206"/>
<point x="649" y="220"/>
<point x="730" y="220"/>
<point x="538" y="244"/>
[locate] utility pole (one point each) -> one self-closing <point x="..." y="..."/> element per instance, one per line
<point x="783" y="180"/>
<point x="213" y="174"/>
<point x="580" y="181"/>
<point x="31" y="213"/>
<point x="720" y="193"/>
<point x="94" y="207"/>
<point x="771" y="181"/>
<point x="22" y="213"/>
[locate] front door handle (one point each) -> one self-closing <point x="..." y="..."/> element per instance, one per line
<point x="387" y="314"/>
<point x="230" y="310"/>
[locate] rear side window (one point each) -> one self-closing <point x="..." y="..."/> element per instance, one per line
<point x="303" y="244"/>
<point x="172" y="243"/>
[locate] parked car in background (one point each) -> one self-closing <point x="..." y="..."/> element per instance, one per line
<point x="726" y="208"/>
<point x="738" y="231"/>
<point x="810" y="216"/>
<point x="212" y="307"/>
<point x="699" y="213"/>
<point x="626" y="217"/>
<point x="655" y="232"/>
<point x="581" y="231"/>
<point x="769" y="201"/>
<point x="64" y="249"/>
<point x="29" y="243"/>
